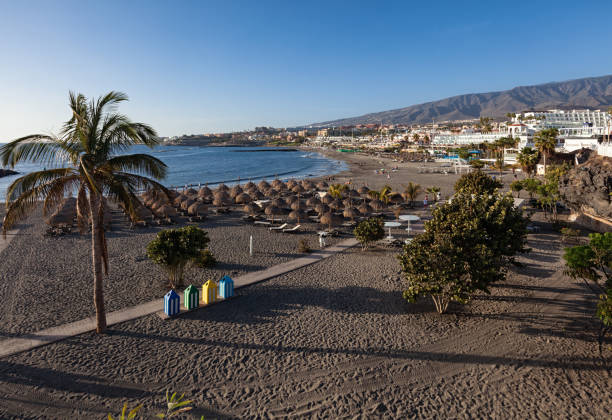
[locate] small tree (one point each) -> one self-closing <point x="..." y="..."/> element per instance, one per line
<point x="517" y="187"/>
<point x="173" y="249"/>
<point x="477" y="164"/>
<point x="531" y="185"/>
<point x="434" y="192"/>
<point x="593" y="264"/>
<point x="369" y="230"/>
<point x="477" y="182"/>
<point x="467" y="245"/>
<point x="411" y="192"/>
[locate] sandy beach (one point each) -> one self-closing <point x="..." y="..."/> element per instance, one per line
<point x="331" y="340"/>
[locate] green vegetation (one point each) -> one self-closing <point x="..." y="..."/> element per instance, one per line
<point x="173" y="249"/>
<point x="485" y="124"/>
<point x="383" y="195"/>
<point x="467" y="245"/>
<point x="206" y="259"/>
<point x="175" y="405"/>
<point x="433" y="190"/>
<point x="528" y="159"/>
<point x="592" y="263"/>
<point x="545" y="141"/>
<point x="477" y="182"/>
<point x="531" y="185"/>
<point x="477" y="164"/>
<point x="336" y="190"/>
<point x="411" y="192"/>
<point x="90" y="142"/>
<point x="517" y="187"/>
<point x="369" y="230"/>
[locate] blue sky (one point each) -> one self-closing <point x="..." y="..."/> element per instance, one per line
<point x="194" y="67"/>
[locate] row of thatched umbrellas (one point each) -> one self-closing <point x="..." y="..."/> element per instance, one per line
<point x="273" y="198"/>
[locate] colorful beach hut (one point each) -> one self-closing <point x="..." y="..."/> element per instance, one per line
<point x="209" y="292"/>
<point x="172" y="303"/>
<point x="192" y="297"/>
<point x="226" y="287"/>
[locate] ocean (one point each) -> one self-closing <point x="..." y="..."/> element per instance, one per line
<point x="213" y="165"/>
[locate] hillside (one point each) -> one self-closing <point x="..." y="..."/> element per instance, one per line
<point x="592" y="92"/>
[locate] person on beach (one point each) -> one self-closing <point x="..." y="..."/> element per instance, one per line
<point x="425" y="201"/>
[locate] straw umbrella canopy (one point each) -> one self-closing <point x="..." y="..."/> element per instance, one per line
<point x="280" y="187"/>
<point x="250" y="208"/>
<point x="222" y="187"/>
<point x="143" y="213"/>
<point x="352" y="193"/>
<point x="322" y="185"/>
<point x="186" y="203"/>
<point x="298" y="189"/>
<point x="205" y="192"/>
<point x="278" y="202"/>
<point x="313" y="201"/>
<point x="336" y="205"/>
<point x="365" y="208"/>
<point x="363" y="190"/>
<point x="348" y="202"/>
<point x="297" y="215"/>
<point x="322" y="208"/>
<point x="263" y="185"/>
<point x="377" y="205"/>
<point x="249" y="186"/>
<point x="235" y="191"/>
<point x="167" y="210"/>
<point x="156" y="205"/>
<point x="221" y="195"/>
<point x="291" y="183"/>
<point x="329" y="219"/>
<point x="291" y="199"/>
<point x="273" y="211"/>
<point x="256" y="195"/>
<point x="296" y="205"/>
<point x="349" y="213"/>
<point x="396" y="198"/>
<point x="327" y="198"/>
<point x="276" y="182"/>
<point x="242" y="198"/>
<point x="221" y="201"/>
<point x="191" y="192"/>
<point x="197" y="208"/>
<point x="178" y="200"/>
<point x="271" y="193"/>
<point x="308" y="184"/>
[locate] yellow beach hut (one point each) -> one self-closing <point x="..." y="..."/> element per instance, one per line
<point x="209" y="292"/>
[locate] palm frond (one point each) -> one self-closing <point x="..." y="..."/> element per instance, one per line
<point x="57" y="191"/>
<point x="142" y="163"/>
<point x="23" y="184"/>
<point x="39" y="148"/>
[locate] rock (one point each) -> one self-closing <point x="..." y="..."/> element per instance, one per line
<point x="586" y="188"/>
<point x="7" y="172"/>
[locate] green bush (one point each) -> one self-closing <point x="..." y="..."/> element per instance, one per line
<point x="173" y="249"/>
<point x="517" y="187"/>
<point x="206" y="259"/>
<point x="369" y="230"/>
<point x="477" y="182"/>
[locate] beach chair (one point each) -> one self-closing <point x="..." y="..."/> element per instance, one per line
<point x="293" y="229"/>
<point x="281" y="227"/>
<point x="262" y="223"/>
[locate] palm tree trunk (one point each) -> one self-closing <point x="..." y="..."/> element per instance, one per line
<point x="97" y="252"/>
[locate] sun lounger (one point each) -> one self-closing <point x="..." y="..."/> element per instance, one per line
<point x="262" y="223"/>
<point x="281" y="227"/>
<point x="293" y="229"/>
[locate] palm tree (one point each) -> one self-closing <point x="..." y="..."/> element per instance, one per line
<point x="89" y="145"/>
<point x="434" y="192"/>
<point x="336" y="190"/>
<point x="545" y="141"/>
<point x="411" y="192"/>
<point x="528" y="159"/>
<point x="383" y="195"/>
<point x="485" y="124"/>
<point x="415" y="137"/>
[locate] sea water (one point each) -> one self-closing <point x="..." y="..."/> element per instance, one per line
<point x="192" y="165"/>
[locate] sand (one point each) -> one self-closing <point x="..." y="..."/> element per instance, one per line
<point x="330" y="340"/>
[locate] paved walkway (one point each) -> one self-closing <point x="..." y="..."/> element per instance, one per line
<point x="51" y="335"/>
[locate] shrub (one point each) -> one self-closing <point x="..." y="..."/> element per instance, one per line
<point x="369" y="230"/>
<point x="517" y="187"/>
<point x="206" y="259"/>
<point x="467" y="245"/>
<point x="570" y="234"/>
<point x="477" y="182"/>
<point x="173" y="249"/>
<point x="304" y="246"/>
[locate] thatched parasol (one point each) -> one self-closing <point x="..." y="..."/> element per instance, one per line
<point x="250" y="208"/>
<point x="221" y="201"/>
<point x="250" y="186"/>
<point x="168" y="211"/>
<point x="263" y="185"/>
<point x="298" y="189"/>
<point x="235" y="191"/>
<point x="297" y="215"/>
<point x="363" y="190"/>
<point x="190" y="192"/>
<point x="329" y="219"/>
<point x="186" y="203"/>
<point x="336" y="205"/>
<point x="273" y="211"/>
<point x="296" y="205"/>
<point x="396" y="198"/>
<point x="197" y="208"/>
<point x="222" y="187"/>
<point x="322" y="185"/>
<point x="242" y="198"/>
<point x="205" y="192"/>
<point x="291" y="183"/>
<point x="322" y="208"/>
<point x="308" y="184"/>
<point x="278" y="202"/>
<point x="352" y="193"/>
<point x="178" y="200"/>
<point x="313" y="201"/>
<point x="271" y="193"/>
<point x="327" y="198"/>
<point x="256" y="195"/>
<point x="377" y="205"/>
<point x="291" y="199"/>
<point x="365" y="208"/>
<point x="280" y="187"/>
<point x="221" y="195"/>
<point x="350" y="213"/>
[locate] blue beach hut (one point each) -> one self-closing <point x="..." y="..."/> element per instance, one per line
<point x="226" y="287"/>
<point x="172" y="303"/>
<point x="192" y="297"/>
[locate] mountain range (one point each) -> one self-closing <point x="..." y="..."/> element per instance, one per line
<point x="591" y="92"/>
